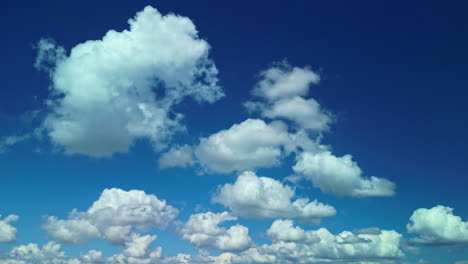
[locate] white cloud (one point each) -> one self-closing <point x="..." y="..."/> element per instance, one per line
<point x="180" y="156"/>
<point x="307" y="114"/>
<point x="203" y="231"/>
<point x="284" y="81"/>
<point x="284" y="88"/>
<point x="340" y="175"/>
<point x="261" y="197"/>
<point x="438" y="226"/>
<point x="138" y="246"/>
<point x="248" y="145"/>
<point x="128" y="81"/>
<point x="7" y="231"/>
<point x="50" y="253"/>
<point x="284" y="230"/>
<point x="114" y="217"/>
<point x="137" y="252"/>
<point x="295" y="245"/>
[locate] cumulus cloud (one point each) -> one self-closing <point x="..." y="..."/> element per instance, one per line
<point x="248" y="145"/>
<point x="114" y="217"/>
<point x="292" y="244"/>
<point x="128" y="81"/>
<point x="50" y="253"/>
<point x="7" y="231"/>
<point x="306" y="113"/>
<point x="284" y="230"/>
<point x="180" y="156"/>
<point x="262" y="197"/>
<point x="340" y="175"/>
<point x="281" y="90"/>
<point x="438" y="226"/>
<point x="203" y="231"/>
<point x="282" y="81"/>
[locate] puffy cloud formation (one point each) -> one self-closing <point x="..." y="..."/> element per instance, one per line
<point x="438" y="226"/>
<point x="128" y="81"/>
<point x="306" y="113"/>
<point x="255" y="144"/>
<point x="283" y="89"/>
<point x="284" y="230"/>
<point x="50" y="253"/>
<point x="7" y="231"/>
<point x="261" y="197"/>
<point x="283" y="81"/>
<point x="340" y="175"/>
<point x="295" y="245"/>
<point x="114" y="217"/>
<point x="245" y="146"/>
<point x="203" y="231"/>
<point x="248" y="145"/>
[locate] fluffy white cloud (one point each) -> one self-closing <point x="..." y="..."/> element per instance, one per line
<point x="114" y="217"/>
<point x="180" y="156"/>
<point x="307" y="114"/>
<point x="340" y="175"/>
<point x="284" y="230"/>
<point x="284" y="81"/>
<point x="283" y="88"/>
<point x="438" y="226"/>
<point x="7" y="231"/>
<point x="128" y="81"/>
<point x="295" y="245"/>
<point x="248" y="145"/>
<point x="50" y="253"/>
<point x="203" y="231"/>
<point x="261" y="197"/>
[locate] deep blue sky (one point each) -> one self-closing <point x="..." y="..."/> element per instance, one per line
<point x="394" y="74"/>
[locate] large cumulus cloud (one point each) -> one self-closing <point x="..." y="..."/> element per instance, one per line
<point x="107" y="93"/>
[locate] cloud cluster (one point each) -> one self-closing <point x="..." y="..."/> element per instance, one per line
<point x="262" y="197"/>
<point x="438" y="226"/>
<point x="7" y="231"/>
<point x="292" y="244"/>
<point x="129" y="81"/>
<point x="256" y="144"/>
<point x="203" y="231"/>
<point x="115" y="217"/>
<point x="50" y="253"/>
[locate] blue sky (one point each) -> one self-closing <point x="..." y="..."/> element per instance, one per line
<point x="202" y="127"/>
